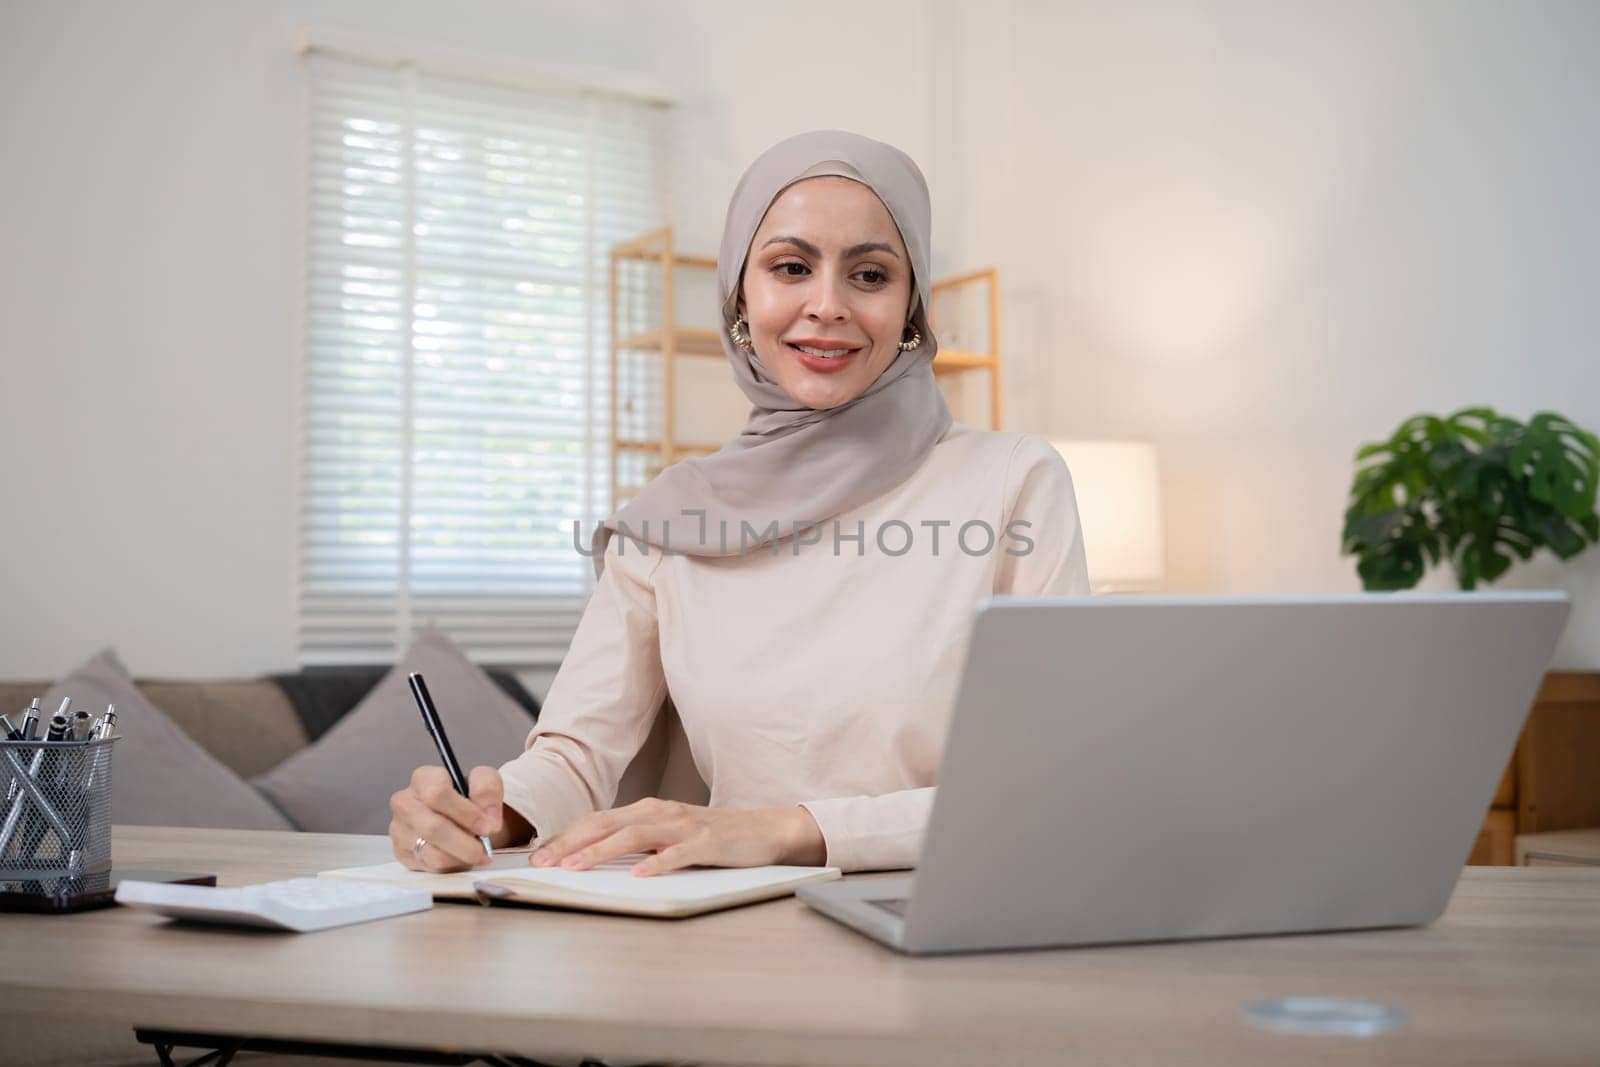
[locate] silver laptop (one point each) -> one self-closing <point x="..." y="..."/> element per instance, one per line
<point x="1149" y="768"/>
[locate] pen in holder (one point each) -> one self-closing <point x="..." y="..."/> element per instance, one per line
<point x="56" y="820"/>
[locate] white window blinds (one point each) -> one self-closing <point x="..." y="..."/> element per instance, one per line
<point x="453" y="422"/>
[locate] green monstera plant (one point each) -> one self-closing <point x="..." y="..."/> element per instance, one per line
<point x="1476" y="488"/>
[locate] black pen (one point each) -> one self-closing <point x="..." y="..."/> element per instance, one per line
<point x="419" y="689"/>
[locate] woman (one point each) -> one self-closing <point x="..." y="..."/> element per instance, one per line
<point x="805" y="594"/>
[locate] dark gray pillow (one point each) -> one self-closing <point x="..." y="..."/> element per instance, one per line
<point x="342" y="783"/>
<point x="159" y="775"/>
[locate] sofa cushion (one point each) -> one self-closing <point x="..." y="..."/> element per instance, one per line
<point x="246" y="723"/>
<point x="342" y="782"/>
<point x="321" y="696"/>
<point x="159" y="775"/>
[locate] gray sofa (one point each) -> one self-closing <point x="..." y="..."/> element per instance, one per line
<point x="252" y="725"/>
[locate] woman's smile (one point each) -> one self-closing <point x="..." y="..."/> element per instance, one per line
<point x="824" y="357"/>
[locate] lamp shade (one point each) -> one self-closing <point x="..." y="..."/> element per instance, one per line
<point x="1119" y="504"/>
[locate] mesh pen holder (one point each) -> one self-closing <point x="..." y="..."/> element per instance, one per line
<point x="56" y="820"/>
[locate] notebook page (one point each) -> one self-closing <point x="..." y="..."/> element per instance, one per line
<point x="459" y="881"/>
<point x="613" y="879"/>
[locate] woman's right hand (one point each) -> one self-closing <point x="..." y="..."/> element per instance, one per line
<point x="430" y="808"/>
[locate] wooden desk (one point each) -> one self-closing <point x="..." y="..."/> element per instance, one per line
<point x="1510" y="974"/>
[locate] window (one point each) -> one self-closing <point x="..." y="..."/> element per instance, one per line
<point x="452" y="413"/>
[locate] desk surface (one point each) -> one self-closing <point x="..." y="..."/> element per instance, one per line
<point x="1511" y="973"/>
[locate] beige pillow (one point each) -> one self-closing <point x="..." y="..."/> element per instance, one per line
<point x="342" y="783"/>
<point x="159" y="775"/>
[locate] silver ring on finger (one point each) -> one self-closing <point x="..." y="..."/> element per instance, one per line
<point x="416" y="849"/>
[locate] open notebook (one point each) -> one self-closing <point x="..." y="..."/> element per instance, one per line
<point x="608" y="887"/>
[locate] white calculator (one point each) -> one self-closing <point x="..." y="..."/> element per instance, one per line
<point x="299" y="904"/>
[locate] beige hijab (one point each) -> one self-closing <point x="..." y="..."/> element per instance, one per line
<point x="793" y="464"/>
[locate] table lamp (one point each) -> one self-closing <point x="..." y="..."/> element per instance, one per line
<point x="1119" y="505"/>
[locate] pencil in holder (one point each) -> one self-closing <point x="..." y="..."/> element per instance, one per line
<point x="56" y="819"/>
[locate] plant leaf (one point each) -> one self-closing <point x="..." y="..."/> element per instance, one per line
<point x="1476" y="488"/>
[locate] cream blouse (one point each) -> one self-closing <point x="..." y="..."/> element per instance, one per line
<point x="818" y="671"/>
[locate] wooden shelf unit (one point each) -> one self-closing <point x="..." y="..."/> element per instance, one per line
<point x="1553" y="779"/>
<point x="958" y="361"/>
<point x="669" y="340"/>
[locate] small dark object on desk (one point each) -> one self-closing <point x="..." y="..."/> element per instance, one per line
<point x="57" y="895"/>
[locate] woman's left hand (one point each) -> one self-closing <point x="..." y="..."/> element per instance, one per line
<point x="685" y="835"/>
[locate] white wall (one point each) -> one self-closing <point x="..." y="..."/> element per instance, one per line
<point x="148" y="283"/>
<point x="1260" y="235"/>
<point x="1257" y="235"/>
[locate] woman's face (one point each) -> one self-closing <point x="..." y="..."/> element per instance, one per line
<point x="826" y="270"/>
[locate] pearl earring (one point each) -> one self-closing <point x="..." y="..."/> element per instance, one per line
<point x="916" y="339"/>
